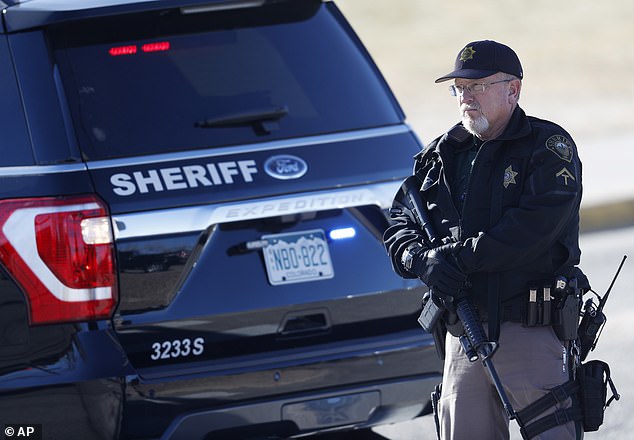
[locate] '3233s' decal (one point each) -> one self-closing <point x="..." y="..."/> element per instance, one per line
<point x="177" y="348"/>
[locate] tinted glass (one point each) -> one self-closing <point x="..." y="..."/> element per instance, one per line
<point x="172" y="82"/>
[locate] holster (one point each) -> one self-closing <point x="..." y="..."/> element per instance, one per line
<point x="589" y="392"/>
<point x="566" y="319"/>
<point x="594" y="379"/>
<point x="435" y="399"/>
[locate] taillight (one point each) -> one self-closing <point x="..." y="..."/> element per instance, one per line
<point x="60" y="251"/>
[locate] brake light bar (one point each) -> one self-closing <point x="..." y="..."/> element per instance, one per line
<point x="132" y="49"/>
<point x="60" y="252"/>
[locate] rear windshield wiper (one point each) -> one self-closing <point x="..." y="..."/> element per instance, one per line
<point x="263" y="120"/>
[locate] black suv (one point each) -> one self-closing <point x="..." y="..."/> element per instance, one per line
<point x="191" y="217"/>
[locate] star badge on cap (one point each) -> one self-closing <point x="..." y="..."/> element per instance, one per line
<point x="467" y="54"/>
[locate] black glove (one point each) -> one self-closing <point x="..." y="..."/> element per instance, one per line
<point x="437" y="269"/>
<point x="450" y="249"/>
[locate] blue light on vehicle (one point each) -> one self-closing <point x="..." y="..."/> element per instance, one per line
<point x="341" y="233"/>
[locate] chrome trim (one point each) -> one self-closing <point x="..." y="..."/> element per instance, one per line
<point x="35" y="170"/>
<point x="222" y="6"/>
<point x="250" y="148"/>
<point x="198" y="218"/>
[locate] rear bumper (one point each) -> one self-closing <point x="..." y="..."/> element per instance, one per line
<point x="362" y="406"/>
<point x="93" y="393"/>
<point x="367" y="385"/>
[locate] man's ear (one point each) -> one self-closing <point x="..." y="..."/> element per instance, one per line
<point x="515" y="87"/>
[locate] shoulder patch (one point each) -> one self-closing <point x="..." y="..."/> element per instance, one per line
<point x="561" y="146"/>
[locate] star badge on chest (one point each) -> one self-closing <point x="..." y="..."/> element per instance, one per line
<point x="509" y="176"/>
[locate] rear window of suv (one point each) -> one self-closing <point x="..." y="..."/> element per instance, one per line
<point x="179" y="80"/>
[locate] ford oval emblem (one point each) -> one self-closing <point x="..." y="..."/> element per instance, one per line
<point x="285" y="167"/>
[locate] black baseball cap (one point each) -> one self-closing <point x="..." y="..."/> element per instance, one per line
<point x="480" y="59"/>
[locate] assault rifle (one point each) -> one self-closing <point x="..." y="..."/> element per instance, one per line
<point x="474" y="341"/>
<point x="595" y="374"/>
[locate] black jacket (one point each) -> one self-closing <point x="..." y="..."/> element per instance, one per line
<point x="519" y="223"/>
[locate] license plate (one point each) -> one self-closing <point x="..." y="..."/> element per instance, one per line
<point x="297" y="257"/>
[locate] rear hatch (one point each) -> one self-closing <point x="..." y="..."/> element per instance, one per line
<point x="246" y="156"/>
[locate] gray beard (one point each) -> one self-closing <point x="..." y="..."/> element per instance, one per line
<point x="476" y="127"/>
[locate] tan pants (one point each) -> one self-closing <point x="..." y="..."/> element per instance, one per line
<point x="528" y="362"/>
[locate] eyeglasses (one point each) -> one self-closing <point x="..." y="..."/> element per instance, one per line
<point x="473" y="89"/>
